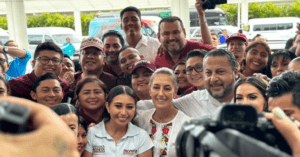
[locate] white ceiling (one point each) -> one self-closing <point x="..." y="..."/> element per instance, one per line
<point x="37" y="6"/>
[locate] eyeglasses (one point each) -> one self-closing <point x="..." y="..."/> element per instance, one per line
<point x="197" y="68"/>
<point x="45" y="60"/>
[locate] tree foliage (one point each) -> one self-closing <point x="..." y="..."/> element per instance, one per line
<point x="263" y="10"/>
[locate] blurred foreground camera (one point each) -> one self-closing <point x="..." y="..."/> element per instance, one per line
<point x="13" y="118"/>
<point x="236" y="130"/>
<point x="211" y="4"/>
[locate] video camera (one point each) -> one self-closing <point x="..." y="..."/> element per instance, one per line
<point x="13" y="118"/>
<point x="236" y="130"/>
<point x="211" y="4"/>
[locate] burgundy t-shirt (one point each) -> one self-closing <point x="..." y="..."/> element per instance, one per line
<point x="22" y="86"/>
<point x="165" y="60"/>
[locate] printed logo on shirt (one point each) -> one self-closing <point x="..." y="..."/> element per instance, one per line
<point x="129" y="152"/>
<point x="99" y="149"/>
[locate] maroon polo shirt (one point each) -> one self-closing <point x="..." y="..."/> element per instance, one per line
<point x="22" y="86"/>
<point x="165" y="60"/>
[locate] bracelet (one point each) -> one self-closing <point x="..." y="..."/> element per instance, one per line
<point x="202" y="23"/>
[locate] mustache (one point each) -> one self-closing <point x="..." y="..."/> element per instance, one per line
<point x="216" y="84"/>
<point x="173" y="40"/>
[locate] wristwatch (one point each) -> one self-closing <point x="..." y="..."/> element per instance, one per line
<point x="5" y="49"/>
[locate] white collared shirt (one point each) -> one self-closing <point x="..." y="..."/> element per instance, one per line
<point x="147" y="46"/>
<point x="196" y="104"/>
<point x="136" y="141"/>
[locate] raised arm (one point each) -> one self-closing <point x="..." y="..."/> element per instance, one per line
<point x="205" y="33"/>
<point x="14" y="51"/>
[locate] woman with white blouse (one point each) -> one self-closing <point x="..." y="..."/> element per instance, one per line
<point x="163" y="122"/>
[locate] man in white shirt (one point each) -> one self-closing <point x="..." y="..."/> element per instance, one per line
<point x="131" y="24"/>
<point x="220" y="73"/>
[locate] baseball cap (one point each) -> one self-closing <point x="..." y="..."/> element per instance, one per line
<point x="92" y="42"/>
<point x="237" y="36"/>
<point x="143" y="63"/>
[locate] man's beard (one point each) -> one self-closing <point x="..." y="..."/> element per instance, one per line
<point x="174" y="50"/>
<point x="227" y="90"/>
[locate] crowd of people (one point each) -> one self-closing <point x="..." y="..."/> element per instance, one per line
<point x="132" y="94"/>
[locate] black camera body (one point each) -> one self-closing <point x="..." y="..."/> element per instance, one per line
<point x="211" y="4"/>
<point x="236" y="130"/>
<point x="13" y="118"/>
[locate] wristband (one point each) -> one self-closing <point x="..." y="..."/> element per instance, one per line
<point x="5" y="49"/>
<point x="202" y="23"/>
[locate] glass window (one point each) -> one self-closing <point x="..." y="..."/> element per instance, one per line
<point x="35" y="39"/>
<point x="257" y="28"/>
<point x="48" y="38"/>
<point x="273" y="27"/>
<point x="265" y="27"/>
<point x="284" y="26"/>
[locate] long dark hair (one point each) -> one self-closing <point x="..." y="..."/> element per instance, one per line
<point x="257" y="82"/>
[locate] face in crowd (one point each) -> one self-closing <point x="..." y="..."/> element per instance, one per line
<point x="121" y="107"/>
<point x="91" y="97"/>
<point x="127" y="58"/>
<point x="81" y="136"/>
<point x="48" y="61"/>
<point x="181" y="77"/>
<point x="279" y="62"/>
<point x="215" y="40"/>
<point x="4" y="87"/>
<point x="285" y="102"/>
<point x="113" y="46"/>
<point x="252" y="91"/>
<point x="68" y="40"/>
<point x="257" y="58"/>
<point x="225" y="33"/>
<point x="92" y="59"/>
<point x="294" y="65"/>
<point x="238" y="47"/>
<point x="194" y="70"/>
<point x="140" y="80"/>
<point x="131" y="24"/>
<point x="163" y="90"/>
<point x="71" y="120"/>
<point x="49" y="93"/>
<point x="4" y="60"/>
<point x="219" y="77"/>
<point x="172" y="36"/>
<point x="67" y="66"/>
